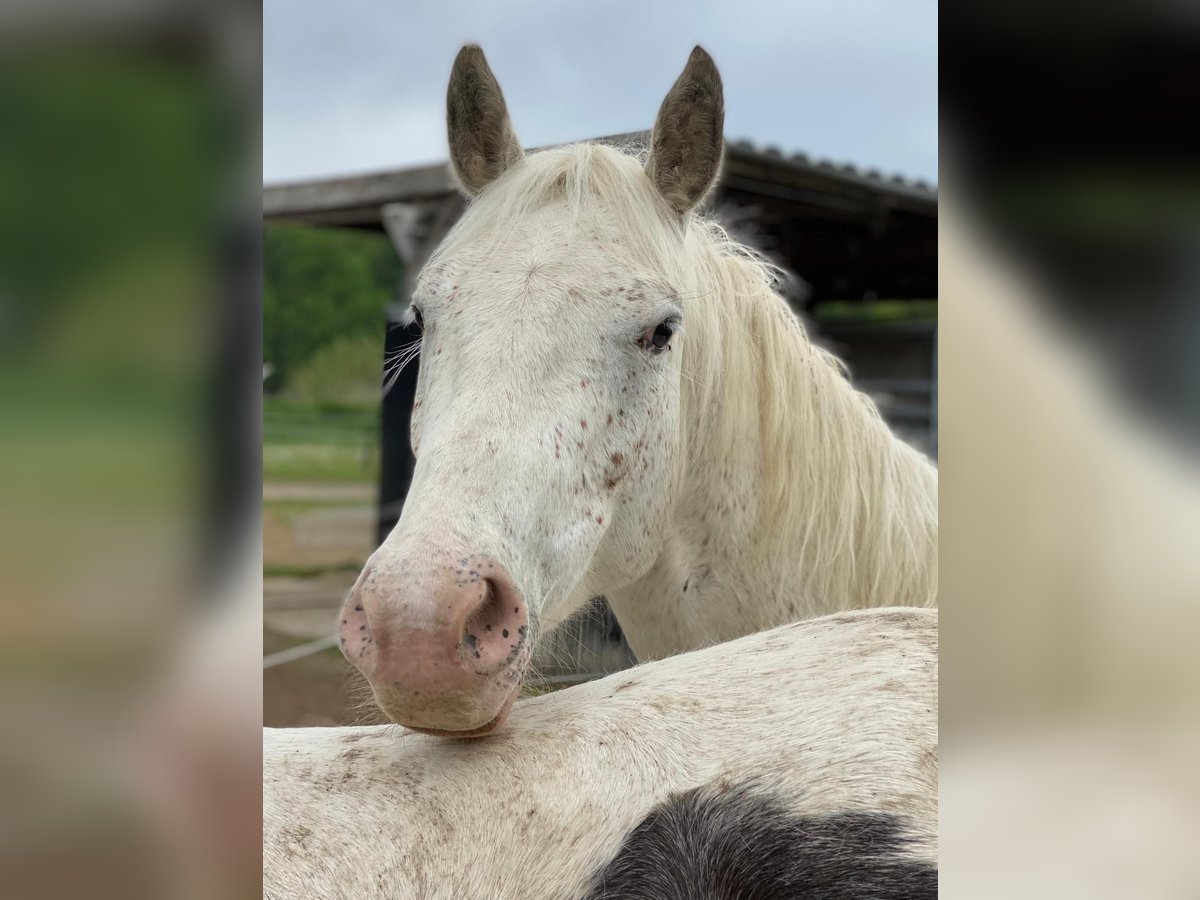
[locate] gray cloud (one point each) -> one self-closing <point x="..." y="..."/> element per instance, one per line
<point x="359" y="86"/>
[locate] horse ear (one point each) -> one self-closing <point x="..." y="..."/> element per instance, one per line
<point x="687" y="142"/>
<point x="482" y="141"/>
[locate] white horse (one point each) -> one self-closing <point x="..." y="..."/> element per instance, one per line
<point x="797" y="762"/>
<point x="614" y="400"/>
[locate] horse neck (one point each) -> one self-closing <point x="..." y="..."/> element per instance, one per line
<point x="842" y="505"/>
<point x="796" y="499"/>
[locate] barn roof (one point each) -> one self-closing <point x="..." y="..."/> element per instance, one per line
<point x="767" y="172"/>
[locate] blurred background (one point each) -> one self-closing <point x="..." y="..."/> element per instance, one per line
<point x="129" y="438"/>
<point x="1070" y="406"/>
<point x="1062" y="402"/>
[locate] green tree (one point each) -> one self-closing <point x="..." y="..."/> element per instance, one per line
<point x="321" y="284"/>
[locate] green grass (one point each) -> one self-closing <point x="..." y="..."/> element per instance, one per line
<point x="287" y="420"/>
<point x="293" y="509"/>
<point x="875" y="310"/>
<point x="319" y="462"/>
<point x="277" y="570"/>
<point x="307" y="441"/>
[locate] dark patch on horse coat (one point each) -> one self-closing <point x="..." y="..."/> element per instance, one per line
<point x="739" y="844"/>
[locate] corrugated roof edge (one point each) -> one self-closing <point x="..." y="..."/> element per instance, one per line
<point x="422" y="182"/>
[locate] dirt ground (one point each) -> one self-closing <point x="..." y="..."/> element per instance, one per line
<point x="315" y="539"/>
<point x="321" y="689"/>
<point x="317" y="689"/>
<point x="316" y="527"/>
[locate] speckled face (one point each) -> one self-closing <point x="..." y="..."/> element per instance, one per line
<point x="546" y="428"/>
<point x="548" y="402"/>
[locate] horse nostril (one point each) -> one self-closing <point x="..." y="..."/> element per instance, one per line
<point x="496" y="629"/>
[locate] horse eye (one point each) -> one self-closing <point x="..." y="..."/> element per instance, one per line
<point x="660" y="339"/>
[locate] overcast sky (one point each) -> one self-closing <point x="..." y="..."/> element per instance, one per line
<point x="359" y="85"/>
